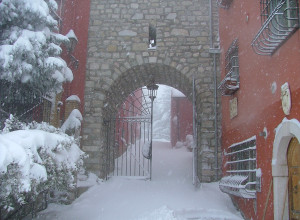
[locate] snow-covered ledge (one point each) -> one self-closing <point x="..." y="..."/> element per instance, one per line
<point x="286" y="130"/>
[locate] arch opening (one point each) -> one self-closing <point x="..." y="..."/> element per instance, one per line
<point x="139" y="76"/>
<point x="287" y="130"/>
<point x="134" y="79"/>
<point x="129" y="131"/>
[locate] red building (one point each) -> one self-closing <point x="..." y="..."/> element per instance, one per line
<point x="73" y="21"/>
<point x="181" y="117"/>
<point x="260" y="84"/>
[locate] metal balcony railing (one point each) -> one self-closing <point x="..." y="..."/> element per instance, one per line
<point x="280" y="20"/>
<point x="237" y="185"/>
<point x="241" y="179"/>
<point x="231" y="82"/>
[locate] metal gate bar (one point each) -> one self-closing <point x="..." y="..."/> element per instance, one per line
<point x="127" y="135"/>
<point x="196" y="180"/>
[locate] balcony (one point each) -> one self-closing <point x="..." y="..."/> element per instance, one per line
<point x="243" y="179"/>
<point x="280" y="24"/>
<point x="231" y="82"/>
<point x="237" y="185"/>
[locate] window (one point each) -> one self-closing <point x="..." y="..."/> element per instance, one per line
<point x="224" y="3"/>
<point x="242" y="179"/>
<point x="231" y="83"/>
<point x="152" y="37"/>
<point x="280" y="19"/>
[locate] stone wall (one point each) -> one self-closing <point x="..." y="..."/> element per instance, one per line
<point x="119" y="62"/>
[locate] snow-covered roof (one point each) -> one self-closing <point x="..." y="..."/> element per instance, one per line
<point x="71" y="34"/>
<point x="73" y="98"/>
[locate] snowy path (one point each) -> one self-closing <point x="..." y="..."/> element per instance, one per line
<point x="169" y="196"/>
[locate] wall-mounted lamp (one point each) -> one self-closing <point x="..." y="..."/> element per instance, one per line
<point x="71" y="47"/>
<point x="72" y="41"/>
<point x="264" y="133"/>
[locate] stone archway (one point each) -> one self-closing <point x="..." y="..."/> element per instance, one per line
<point x="106" y="106"/>
<point x="284" y="133"/>
<point x="142" y="75"/>
<point x="119" y="61"/>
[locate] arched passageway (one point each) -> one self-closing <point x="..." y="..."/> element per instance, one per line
<point x="128" y="134"/>
<point x="129" y="81"/>
<point x="119" y="61"/>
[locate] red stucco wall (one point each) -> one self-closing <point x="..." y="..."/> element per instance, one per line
<point x="75" y="15"/>
<point x="181" y="119"/>
<point x="258" y="107"/>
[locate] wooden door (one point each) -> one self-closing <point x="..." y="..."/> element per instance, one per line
<point x="294" y="179"/>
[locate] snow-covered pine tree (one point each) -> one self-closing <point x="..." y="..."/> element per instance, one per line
<point x="30" y="63"/>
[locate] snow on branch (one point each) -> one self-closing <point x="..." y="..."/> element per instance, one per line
<point x="30" y="47"/>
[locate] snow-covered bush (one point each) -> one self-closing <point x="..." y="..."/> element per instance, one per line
<point x="35" y="159"/>
<point x="30" y="63"/>
<point x="189" y="142"/>
<point x="179" y="144"/>
<point x="72" y="125"/>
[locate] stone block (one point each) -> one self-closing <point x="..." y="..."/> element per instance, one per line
<point x="94" y="66"/>
<point x="139" y="47"/>
<point x="179" y="32"/>
<point x="152" y="59"/>
<point x="112" y="48"/>
<point x="171" y="16"/>
<point x="138" y="16"/>
<point x="129" y="33"/>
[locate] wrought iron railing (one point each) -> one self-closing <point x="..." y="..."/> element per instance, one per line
<point x="231" y="82"/>
<point x="280" y="20"/>
<point x="241" y="179"/>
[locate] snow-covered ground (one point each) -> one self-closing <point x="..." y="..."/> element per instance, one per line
<point x="169" y="196"/>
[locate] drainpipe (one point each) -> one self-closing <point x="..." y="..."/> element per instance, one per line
<point x="214" y="51"/>
<point x="210" y="25"/>
<point x="216" y="119"/>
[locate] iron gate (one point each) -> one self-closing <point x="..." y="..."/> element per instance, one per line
<point x="128" y="138"/>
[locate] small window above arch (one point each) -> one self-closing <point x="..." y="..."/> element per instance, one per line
<point x="152" y="37"/>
